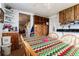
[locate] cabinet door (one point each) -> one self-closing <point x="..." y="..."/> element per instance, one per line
<point x="62" y="17"/>
<point x="66" y="15"/>
<point x="72" y="13"/>
<point x="69" y="14"/>
<point x="77" y="12"/>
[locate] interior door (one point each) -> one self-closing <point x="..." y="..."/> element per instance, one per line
<point x="24" y="19"/>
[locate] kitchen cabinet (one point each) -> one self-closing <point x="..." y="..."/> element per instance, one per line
<point x="62" y="17"/>
<point x="67" y="15"/>
<point x="1" y="15"/>
<point x="77" y="12"/>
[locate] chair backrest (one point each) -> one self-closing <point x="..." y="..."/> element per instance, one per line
<point x="6" y="40"/>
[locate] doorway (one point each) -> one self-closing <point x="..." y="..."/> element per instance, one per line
<point x="24" y="20"/>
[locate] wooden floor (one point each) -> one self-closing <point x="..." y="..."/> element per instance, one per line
<point x="18" y="52"/>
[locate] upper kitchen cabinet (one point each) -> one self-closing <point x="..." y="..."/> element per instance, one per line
<point x="62" y="17"/>
<point x="69" y="13"/>
<point x="77" y="12"/>
<point x="1" y="15"/>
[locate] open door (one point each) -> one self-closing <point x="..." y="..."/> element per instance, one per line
<point x="24" y="19"/>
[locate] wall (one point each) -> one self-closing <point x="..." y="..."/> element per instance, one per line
<point x="1" y="26"/>
<point x="0" y="5"/>
<point x="54" y="23"/>
<point x="16" y="19"/>
<point x="0" y="30"/>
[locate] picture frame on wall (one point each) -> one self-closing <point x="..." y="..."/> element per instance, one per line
<point x="1" y="16"/>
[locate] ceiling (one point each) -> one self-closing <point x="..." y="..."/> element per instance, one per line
<point x="41" y="9"/>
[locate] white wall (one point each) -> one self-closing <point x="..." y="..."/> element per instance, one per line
<point x="0" y="30"/>
<point x="16" y="19"/>
<point x="53" y="23"/>
<point x="0" y="5"/>
<point x="1" y="26"/>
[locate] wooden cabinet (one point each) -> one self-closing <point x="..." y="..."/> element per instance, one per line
<point x="62" y="17"/>
<point x="40" y="26"/>
<point x="1" y="15"/>
<point x="14" y="39"/>
<point x="67" y="15"/>
<point x="77" y="12"/>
